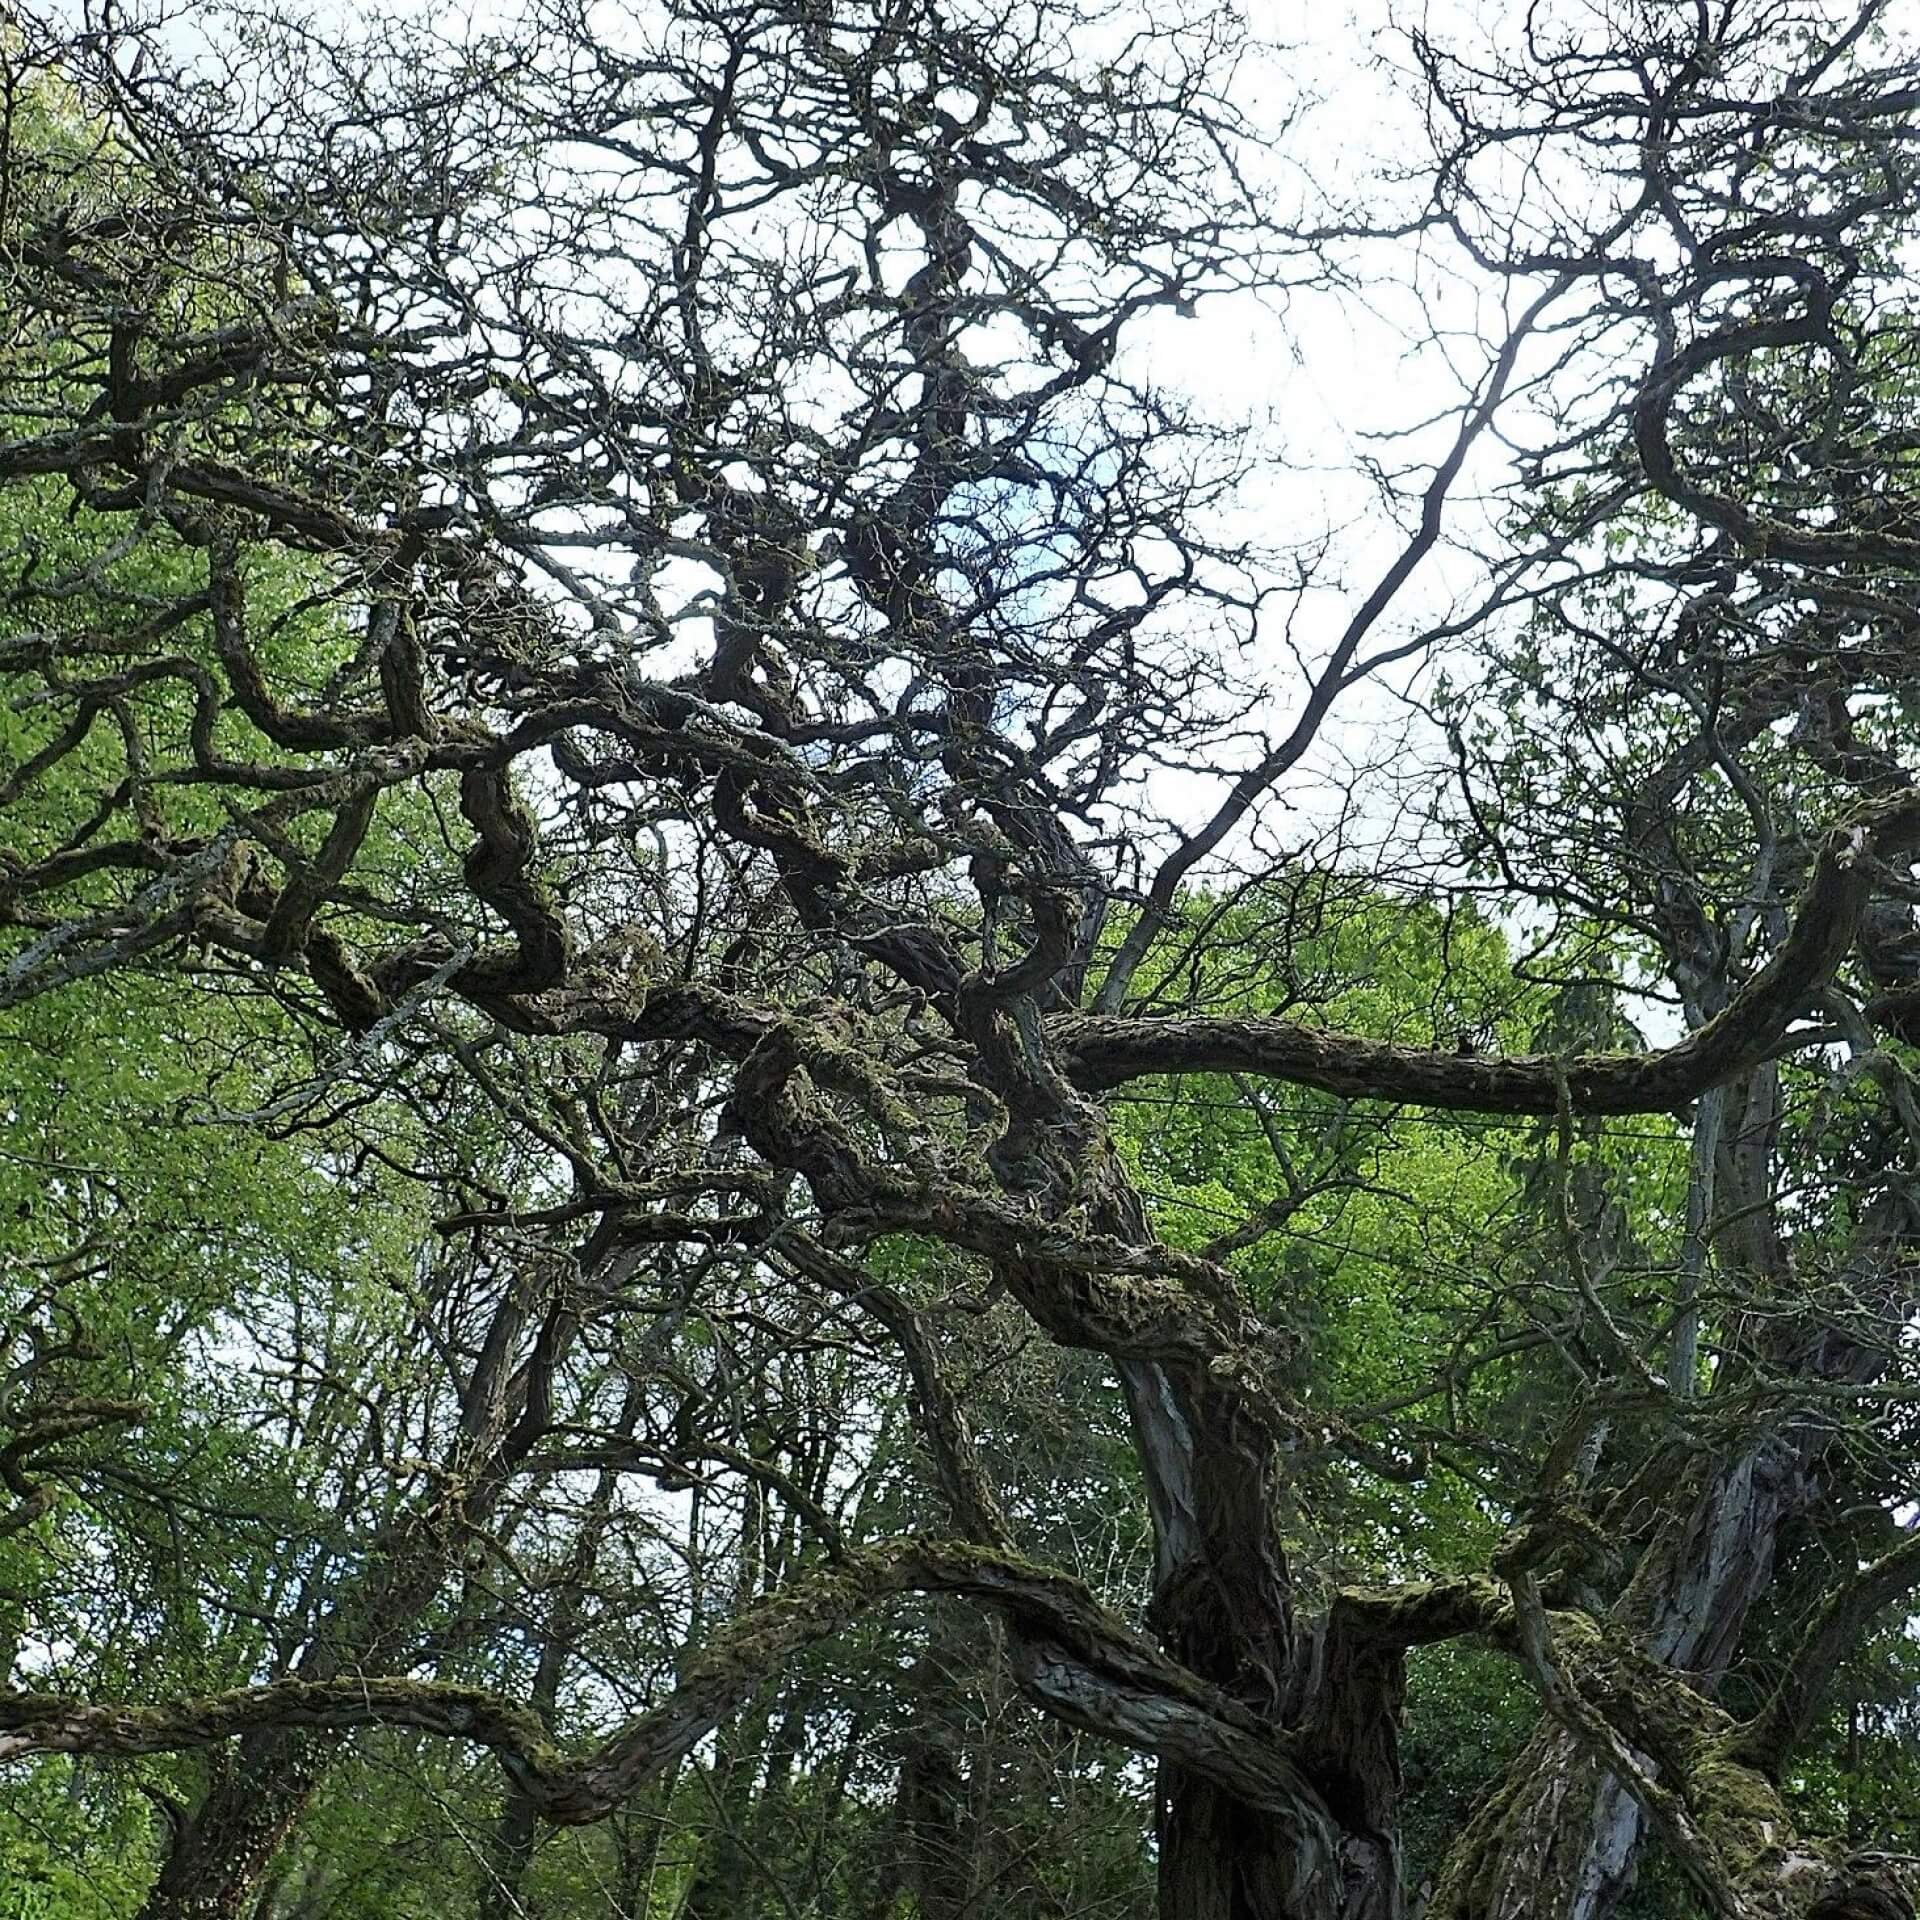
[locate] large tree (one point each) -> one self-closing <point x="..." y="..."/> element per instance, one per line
<point x="638" y="595"/>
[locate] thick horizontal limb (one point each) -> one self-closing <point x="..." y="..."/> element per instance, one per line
<point x="1100" y="1051"/>
<point x="1083" y="1661"/>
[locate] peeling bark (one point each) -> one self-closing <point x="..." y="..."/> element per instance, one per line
<point x="1564" y="1833"/>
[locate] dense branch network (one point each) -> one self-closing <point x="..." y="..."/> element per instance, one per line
<point x="675" y="630"/>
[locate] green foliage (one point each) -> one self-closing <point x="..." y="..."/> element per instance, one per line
<point x="1469" y="1712"/>
<point x="74" y="1844"/>
<point x="338" y="1295"/>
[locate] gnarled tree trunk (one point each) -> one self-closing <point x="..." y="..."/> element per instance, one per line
<point x="219" y="1852"/>
<point x="1562" y="1837"/>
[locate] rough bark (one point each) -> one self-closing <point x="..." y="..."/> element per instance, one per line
<point x="219" y="1853"/>
<point x="1562" y="1838"/>
<point x="1103" y="1051"/>
<point x="1564" y="1834"/>
<point x="1222" y="1606"/>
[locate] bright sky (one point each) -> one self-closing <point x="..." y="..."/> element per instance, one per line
<point x="1323" y="374"/>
